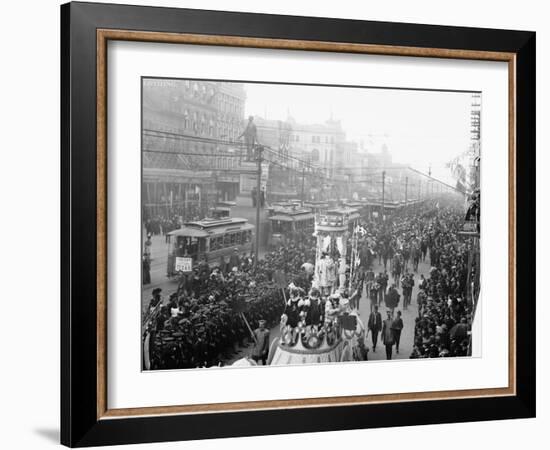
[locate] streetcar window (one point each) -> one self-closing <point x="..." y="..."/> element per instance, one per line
<point x="213" y="244"/>
<point x="193" y="247"/>
<point x="232" y="238"/>
<point x="226" y="240"/>
<point x="238" y="238"/>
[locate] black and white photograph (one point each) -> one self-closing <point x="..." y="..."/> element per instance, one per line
<point x="287" y="224"/>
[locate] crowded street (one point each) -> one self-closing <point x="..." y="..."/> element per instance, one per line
<point x="424" y="265"/>
<point x="285" y="240"/>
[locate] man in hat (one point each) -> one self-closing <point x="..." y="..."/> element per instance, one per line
<point x="146" y="269"/>
<point x="392" y="299"/>
<point x="387" y="335"/>
<point x="373" y="290"/>
<point x="374" y="326"/>
<point x="382" y="280"/>
<point x="254" y="196"/>
<point x="234" y="260"/>
<point x="262" y="197"/>
<point x="397" y="326"/>
<point x="261" y="345"/>
<point x="156" y="298"/>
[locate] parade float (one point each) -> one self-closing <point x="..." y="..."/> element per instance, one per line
<point x="323" y="326"/>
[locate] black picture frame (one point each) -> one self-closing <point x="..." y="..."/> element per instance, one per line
<point x="80" y="425"/>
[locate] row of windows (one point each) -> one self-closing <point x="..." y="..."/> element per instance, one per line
<point x="230" y="239"/>
<point x="225" y="163"/>
<point x="199" y="89"/>
<point x="314" y="139"/>
<point x="203" y="125"/>
<point x="283" y="227"/>
<point x="231" y="105"/>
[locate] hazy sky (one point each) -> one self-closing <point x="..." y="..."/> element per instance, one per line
<point x="419" y="127"/>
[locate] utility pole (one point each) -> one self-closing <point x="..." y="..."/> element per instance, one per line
<point x="383" y="188"/>
<point x="430" y="181"/>
<point x="259" y="151"/>
<point x="303" y="179"/>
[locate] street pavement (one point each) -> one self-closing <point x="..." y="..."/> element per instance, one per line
<point x="409" y="316"/>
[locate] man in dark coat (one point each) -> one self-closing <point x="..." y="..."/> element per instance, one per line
<point x="254" y="195"/>
<point x="156" y="298"/>
<point x="234" y="260"/>
<point x="261" y="345"/>
<point x="262" y="198"/>
<point x="382" y="280"/>
<point x="460" y="330"/>
<point x="392" y="299"/>
<point x="397" y="326"/>
<point x="146" y="266"/>
<point x="387" y="335"/>
<point x="375" y="325"/>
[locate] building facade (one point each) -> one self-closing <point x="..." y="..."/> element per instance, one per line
<point x="189" y="126"/>
<point x="317" y="143"/>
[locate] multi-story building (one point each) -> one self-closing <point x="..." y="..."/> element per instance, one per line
<point x="317" y="143"/>
<point x="189" y="126"/>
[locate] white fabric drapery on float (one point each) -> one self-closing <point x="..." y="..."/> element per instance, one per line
<point x="326" y="243"/>
<point x="340" y="244"/>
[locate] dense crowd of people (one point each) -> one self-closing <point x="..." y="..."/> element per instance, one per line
<point x="213" y="310"/>
<point x="443" y="325"/>
<point x="161" y="225"/>
<point x="173" y="218"/>
<point x="210" y="314"/>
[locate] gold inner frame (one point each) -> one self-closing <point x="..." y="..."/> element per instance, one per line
<point x="104" y="35"/>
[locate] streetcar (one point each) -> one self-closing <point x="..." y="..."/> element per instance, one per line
<point x="350" y="215"/>
<point x="279" y="206"/>
<point x="221" y="210"/>
<point x="358" y="205"/>
<point x="207" y="240"/>
<point x="316" y="207"/>
<point x="289" y="223"/>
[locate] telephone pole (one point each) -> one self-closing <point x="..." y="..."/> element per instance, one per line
<point x="259" y="151"/>
<point x="383" y="192"/>
<point x="303" y="179"/>
<point x="419" y="194"/>
<point x="431" y="182"/>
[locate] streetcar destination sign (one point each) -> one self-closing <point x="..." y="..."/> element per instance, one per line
<point x="183" y="264"/>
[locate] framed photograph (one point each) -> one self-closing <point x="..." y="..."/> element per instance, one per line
<point x="277" y="224"/>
